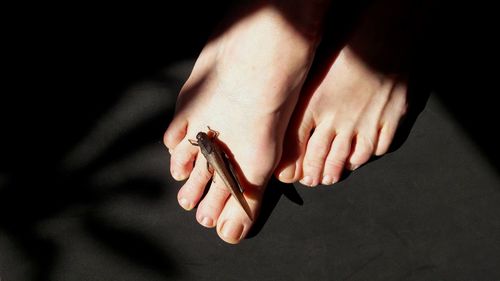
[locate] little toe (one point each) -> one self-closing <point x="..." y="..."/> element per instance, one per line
<point x="182" y="159"/>
<point x="175" y="133"/>
<point x="211" y="206"/>
<point x="316" y="152"/>
<point x="385" y="137"/>
<point x="190" y="193"/>
<point x="393" y="113"/>
<point x="363" y="149"/>
<point x="336" y="159"/>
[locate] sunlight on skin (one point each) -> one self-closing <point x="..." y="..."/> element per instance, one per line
<point x="224" y="91"/>
<point x="353" y="114"/>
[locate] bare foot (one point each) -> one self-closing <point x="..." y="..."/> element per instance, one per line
<point x="352" y="112"/>
<point x="351" y="116"/>
<point x="244" y="85"/>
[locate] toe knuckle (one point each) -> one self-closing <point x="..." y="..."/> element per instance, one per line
<point x="335" y="162"/>
<point x="219" y="187"/>
<point x="202" y="175"/>
<point x="180" y="161"/>
<point x="341" y="151"/>
<point x="367" y="145"/>
<point x="314" y="163"/>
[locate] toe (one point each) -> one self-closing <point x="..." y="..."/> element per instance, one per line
<point x="182" y="159"/>
<point x="231" y="230"/>
<point x="211" y="206"/>
<point x="316" y="152"/>
<point x="175" y="133"/>
<point x="363" y="148"/>
<point x="287" y="173"/>
<point x="289" y="169"/>
<point x="393" y="113"/>
<point x="233" y="223"/>
<point x="386" y="135"/>
<point x="190" y="193"/>
<point x="336" y="159"/>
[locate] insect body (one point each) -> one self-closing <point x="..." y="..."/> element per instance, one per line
<point x="221" y="164"/>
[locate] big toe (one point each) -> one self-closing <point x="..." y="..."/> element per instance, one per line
<point x="233" y="223"/>
<point x="289" y="169"/>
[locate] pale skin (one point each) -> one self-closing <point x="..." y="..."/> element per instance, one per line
<point x="248" y="96"/>
<point x="246" y="84"/>
<point x="353" y="114"/>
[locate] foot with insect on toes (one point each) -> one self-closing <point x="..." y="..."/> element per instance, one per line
<point x="244" y="85"/>
<point x="218" y="162"/>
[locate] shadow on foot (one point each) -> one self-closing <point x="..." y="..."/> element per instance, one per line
<point x="418" y="94"/>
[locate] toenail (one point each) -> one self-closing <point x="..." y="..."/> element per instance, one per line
<point x="327" y="180"/>
<point x="287" y="174"/>
<point x="175" y="174"/>
<point x="207" y="222"/>
<point x="354" y="167"/>
<point x="335" y="180"/>
<point x="307" y="180"/>
<point x="178" y="176"/>
<point x="232" y="231"/>
<point x="185" y="204"/>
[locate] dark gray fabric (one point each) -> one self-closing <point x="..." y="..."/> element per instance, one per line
<point x="85" y="190"/>
<point x="428" y="211"/>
